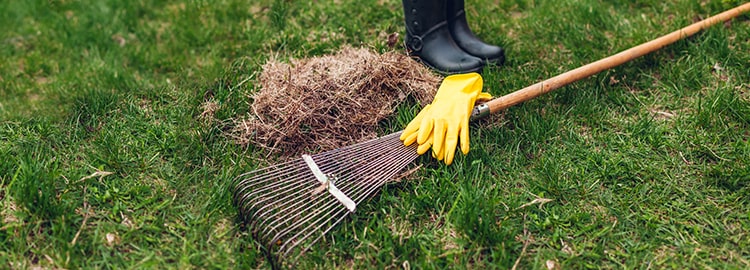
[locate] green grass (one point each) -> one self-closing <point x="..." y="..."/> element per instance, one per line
<point x="108" y="161"/>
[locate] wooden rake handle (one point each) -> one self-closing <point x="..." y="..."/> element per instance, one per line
<point x="546" y="86"/>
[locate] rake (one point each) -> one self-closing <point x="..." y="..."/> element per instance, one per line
<point x="292" y="205"/>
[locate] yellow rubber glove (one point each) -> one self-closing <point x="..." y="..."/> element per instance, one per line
<point x="442" y="123"/>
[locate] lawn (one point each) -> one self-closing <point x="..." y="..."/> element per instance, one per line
<point x="115" y="150"/>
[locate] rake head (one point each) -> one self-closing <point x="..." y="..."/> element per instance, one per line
<point x="290" y="206"/>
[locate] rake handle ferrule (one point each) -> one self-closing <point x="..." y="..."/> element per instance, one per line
<point x="612" y="61"/>
<point x="480" y="111"/>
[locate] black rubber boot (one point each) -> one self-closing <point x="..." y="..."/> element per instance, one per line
<point x="428" y="37"/>
<point x="465" y="39"/>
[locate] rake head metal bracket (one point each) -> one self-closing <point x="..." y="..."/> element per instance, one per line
<point x="328" y="183"/>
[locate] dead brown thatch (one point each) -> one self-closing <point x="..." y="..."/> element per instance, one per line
<point x="330" y="101"/>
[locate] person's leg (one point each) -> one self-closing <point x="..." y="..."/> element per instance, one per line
<point x="428" y="37"/>
<point x="459" y="29"/>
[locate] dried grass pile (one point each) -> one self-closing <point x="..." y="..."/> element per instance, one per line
<point x="330" y="101"/>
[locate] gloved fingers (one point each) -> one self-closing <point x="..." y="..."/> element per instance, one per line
<point x="471" y="83"/>
<point x="449" y="155"/>
<point x="422" y="148"/>
<point x="409" y="140"/>
<point x="451" y="140"/>
<point x="464" y="136"/>
<point x="425" y="131"/>
<point x="459" y="85"/>
<point x="439" y="133"/>
<point x="407" y="132"/>
<point x="448" y="86"/>
<point x="438" y="155"/>
<point x="413" y="126"/>
<point x="445" y="125"/>
<point x="464" y="80"/>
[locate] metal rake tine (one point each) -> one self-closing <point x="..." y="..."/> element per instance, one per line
<point x="339" y="156"/>
<point x="366" y="166"/>
<point x="305" y="195"/>
<point x="298" y="207"/>
<point x="381" y="178"/>
<point x="376" y="181"/>
<point x="309" y="225"/>
<point x="304" y="233"/>
<point x="251" y="199"/>
<point x="311" y="209"/>
<point x="309" y="213"/>
<point x="268" y="209"/>
<point x="308" y="203"/>
<point x="301" y="241"/>
<point x="368" y="152"/>
<point x="404" y="158"/>
<point x="290" y="208"/>
<point x="299" y="167"/>
<point x="265" y="218"/>
<point x="344" y="165"/>
<point x="260" y="170"/>
<point x="356" y="147"/>
<point x="241" y="182"/>
<point x="312" y="230"/>
<point x="344" y="158"/>
<point x="271" y="183"/>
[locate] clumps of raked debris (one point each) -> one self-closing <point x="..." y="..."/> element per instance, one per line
<point x="330" y="101"/>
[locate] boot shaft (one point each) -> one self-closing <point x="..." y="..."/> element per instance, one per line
<point x="428" y="37"/>
<point x="423" y="15"/>
<point x="454" y="7"/>
<point x="465" y="38"/>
